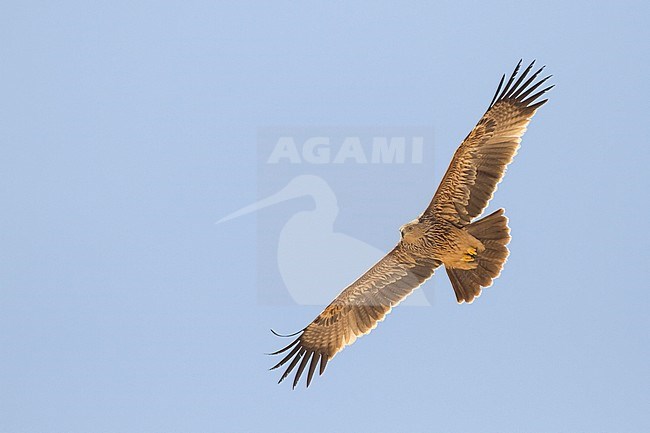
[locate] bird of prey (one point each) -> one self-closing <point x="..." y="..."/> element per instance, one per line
<point x="473" y="251"/>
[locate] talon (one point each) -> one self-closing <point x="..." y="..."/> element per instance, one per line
<point x="470" y="255"/>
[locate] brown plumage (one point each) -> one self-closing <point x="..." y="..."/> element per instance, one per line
<point x="473" y="252"/>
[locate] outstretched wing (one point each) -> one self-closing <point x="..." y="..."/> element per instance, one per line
<point x="481" y="160"/>
<point x="356" y="311"/>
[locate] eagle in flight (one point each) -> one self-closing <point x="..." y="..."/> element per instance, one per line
<point x="446" y="233"/>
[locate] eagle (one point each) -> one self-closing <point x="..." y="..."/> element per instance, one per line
<point x="473" y="251"/>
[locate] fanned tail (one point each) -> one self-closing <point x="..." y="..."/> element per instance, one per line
<point x="494" y="233"/>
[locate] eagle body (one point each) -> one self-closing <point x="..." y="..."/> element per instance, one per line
<point x="442" y="240"/>
<point x="448" y="233"/>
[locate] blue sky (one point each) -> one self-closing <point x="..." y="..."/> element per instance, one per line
<point x="129" y="129"/>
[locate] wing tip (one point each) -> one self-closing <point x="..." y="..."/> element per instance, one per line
<point x="520" y="90"/>
<point x="299" y="356"/>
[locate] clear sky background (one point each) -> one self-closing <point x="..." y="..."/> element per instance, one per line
<point x="128" y="128"/>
